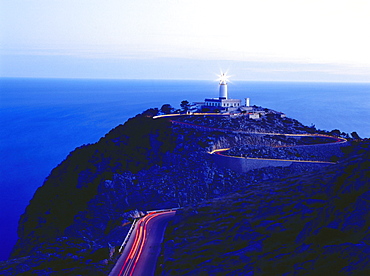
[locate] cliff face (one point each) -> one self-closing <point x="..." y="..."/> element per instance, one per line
<point x="77" y="210"/>
<point x="73" y="183"/>
<point x="311" y="224"/>
<point x="80" y="215"/>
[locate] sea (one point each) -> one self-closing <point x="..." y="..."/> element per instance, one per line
<point x="42" y="120"/>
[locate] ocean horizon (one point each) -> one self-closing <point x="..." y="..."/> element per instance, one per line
<point x="43" y="120"/>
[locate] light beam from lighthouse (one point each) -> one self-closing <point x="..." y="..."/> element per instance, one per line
<point x="223" y="86"/>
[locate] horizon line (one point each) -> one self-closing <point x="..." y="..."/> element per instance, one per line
<point x="182" y="79"/>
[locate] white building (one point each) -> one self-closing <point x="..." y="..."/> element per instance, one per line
<point x="222" y="102"/>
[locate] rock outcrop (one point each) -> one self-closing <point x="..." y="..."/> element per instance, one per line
<point x="80" y="215"/>
<point x="311" y="224"/>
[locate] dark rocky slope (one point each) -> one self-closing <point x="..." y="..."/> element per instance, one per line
<point x="78" y="218"/>
<point x="312" y="224"/>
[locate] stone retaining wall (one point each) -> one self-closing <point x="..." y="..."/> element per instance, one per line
<point x="240" y="164"/>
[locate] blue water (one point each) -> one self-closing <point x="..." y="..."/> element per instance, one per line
<point x="42" y="120"/>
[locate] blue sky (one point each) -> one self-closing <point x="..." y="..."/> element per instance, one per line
<point x="173" y="39"/>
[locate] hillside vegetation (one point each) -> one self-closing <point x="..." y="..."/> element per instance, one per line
<point x="79" y="217"/>
<point x="310" y="224"/>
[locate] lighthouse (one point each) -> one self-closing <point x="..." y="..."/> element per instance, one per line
<point x="223" y="87"/>
<point x="222" y="103"/>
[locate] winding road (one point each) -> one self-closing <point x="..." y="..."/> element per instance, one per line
<point x="139" y="256"/>
<point x="335" y="140"/>
<point x="143" y="244"/>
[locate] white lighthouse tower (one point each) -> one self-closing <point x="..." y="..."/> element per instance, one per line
<point x="222" y="103"/>
<point x="223" y="87"/>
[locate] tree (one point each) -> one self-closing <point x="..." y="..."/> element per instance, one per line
<point x="167" y="109"/>
<point x="185" y="105"/>
<point x="151" y="112"/>
<point x="355" y="135"/>
<point x="335" y="132"/>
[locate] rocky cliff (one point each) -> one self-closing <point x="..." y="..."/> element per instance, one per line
<point x="80" y="215"/>
<point x="314" y="223"/>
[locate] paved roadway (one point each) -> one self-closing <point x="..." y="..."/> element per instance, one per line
<point x="337" y="140"/>
<point x="140" y="255"/>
